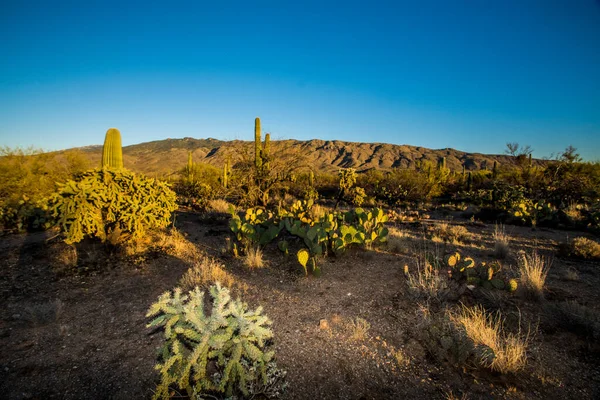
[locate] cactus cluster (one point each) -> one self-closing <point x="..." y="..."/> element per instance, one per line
<point x="221" y="352"/>
<point x="464" y="269"/>
<point x="104" y="202"/>
<point x="331" y="232"/>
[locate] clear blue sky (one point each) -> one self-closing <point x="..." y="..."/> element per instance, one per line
<point x="471" y="75"/>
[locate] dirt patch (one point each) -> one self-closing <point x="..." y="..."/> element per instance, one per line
<point x="84" y="335"/>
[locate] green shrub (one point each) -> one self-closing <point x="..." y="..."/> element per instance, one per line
<point x="112" y="204"/>
<point x="224" y="352"/>
<point x="28" y="177"/>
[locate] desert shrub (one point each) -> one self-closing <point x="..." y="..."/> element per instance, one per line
<point x="451" y="233"/>
<point x="194" y="194"/>
<point x="533" y="270"/>
<point x="220" y="352"/>
<point x="219" y="206"/>
<point x="498" y="350"/>
<point x="114" y="205"/>
<point x="585" y="248"/>
<point x="28" y="177"/>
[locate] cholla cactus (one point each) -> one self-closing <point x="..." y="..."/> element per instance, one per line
<point x="232" y="338"/>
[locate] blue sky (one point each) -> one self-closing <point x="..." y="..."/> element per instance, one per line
<point x="471" y="75"/>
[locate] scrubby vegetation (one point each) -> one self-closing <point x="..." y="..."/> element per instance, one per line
<point x="379" y="243"/>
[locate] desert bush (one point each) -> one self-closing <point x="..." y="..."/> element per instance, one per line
<point x="219" y="206"/>
<point x="498" y="350"/>
<point x="194" y="194"/>
<point x="533" y="270"/>
<point x="451" y="233"/>
<point x="114" y="205"/>
<point x="397" y="240"/>
<point x="216" y="353"/>
<point x="28" y="177"/>
<point x="583" y="247"/>
<point x="501" y="242"/>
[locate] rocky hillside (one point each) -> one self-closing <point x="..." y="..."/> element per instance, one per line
<point x="170" y="155"/>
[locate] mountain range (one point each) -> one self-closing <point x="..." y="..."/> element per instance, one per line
<point x="169" y="156"/>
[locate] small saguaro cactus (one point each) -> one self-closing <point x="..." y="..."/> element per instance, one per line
<point x="495" y="169"/>
<point x="226" y="171"/>
<point x="266" y="151"/>
<point x="442" y="163"/>
<point x="112" y="152"/>
<point x="257" y="144"/>
<point x="189" y="169"/>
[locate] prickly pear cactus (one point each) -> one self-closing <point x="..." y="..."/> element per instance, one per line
<point x="303" y="256"/>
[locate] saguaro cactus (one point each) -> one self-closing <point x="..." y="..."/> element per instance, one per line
<point x="226" y="171"/>
<point x="257" y="144"/>
<point x="189" y="169"/>
<point x="495" y="169"/>
<point x="112" y="152"/>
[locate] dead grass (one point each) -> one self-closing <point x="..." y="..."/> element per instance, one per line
<point x="585" y="248"/>
<point x="254" y="258"/>
<point x="426" y="281"/>
<point x="206" y="272"/>
<point x="170" y="242"/>
<point x="533" y="270"/>
<point x="358" y="329"/>
<point x="501" y="242"/>
<point x="454" y="234"/>
<point x="401" y="357"/>
<point x="509" y="351"/>
<point x="397" y="240"/>
<point x="219" y="206"/>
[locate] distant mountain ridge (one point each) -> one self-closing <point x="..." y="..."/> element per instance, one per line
<point x="170" y="155"/>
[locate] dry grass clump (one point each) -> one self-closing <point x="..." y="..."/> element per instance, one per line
<point x="359" y="328"/>
<point x="427" y="281"/>
<point x="583" y="247"/>
<point x="500" y="351"/>
<point x="533" y="270"/>
<point x="254" y="258"/>
<point x="170" y="242"/>
<point x="454" y="234"/>
<point x="219" y="206"/>
<point x="206" y="272"/>
<point x="317" y="211"/>
<point x="501" y="242"/>
<point x="396" y="241"/>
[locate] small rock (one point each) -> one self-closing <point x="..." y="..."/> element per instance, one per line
<point x="323" y="324"/>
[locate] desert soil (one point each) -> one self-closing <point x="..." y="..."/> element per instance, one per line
<point x="84" y="335"/>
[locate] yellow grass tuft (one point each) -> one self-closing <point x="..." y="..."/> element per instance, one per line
<point x="359" y="328"/>
<point x="533" y="271"/>
<point x="509" y="350"/>
<point x="585" y="248"/>
<point x="254" y="258"/>
<point x="206" y="272"/>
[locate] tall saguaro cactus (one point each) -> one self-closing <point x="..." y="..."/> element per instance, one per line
<point x="257" y="144"/>
<point x="226" y="171"/>
<point x="112" y="152"/>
